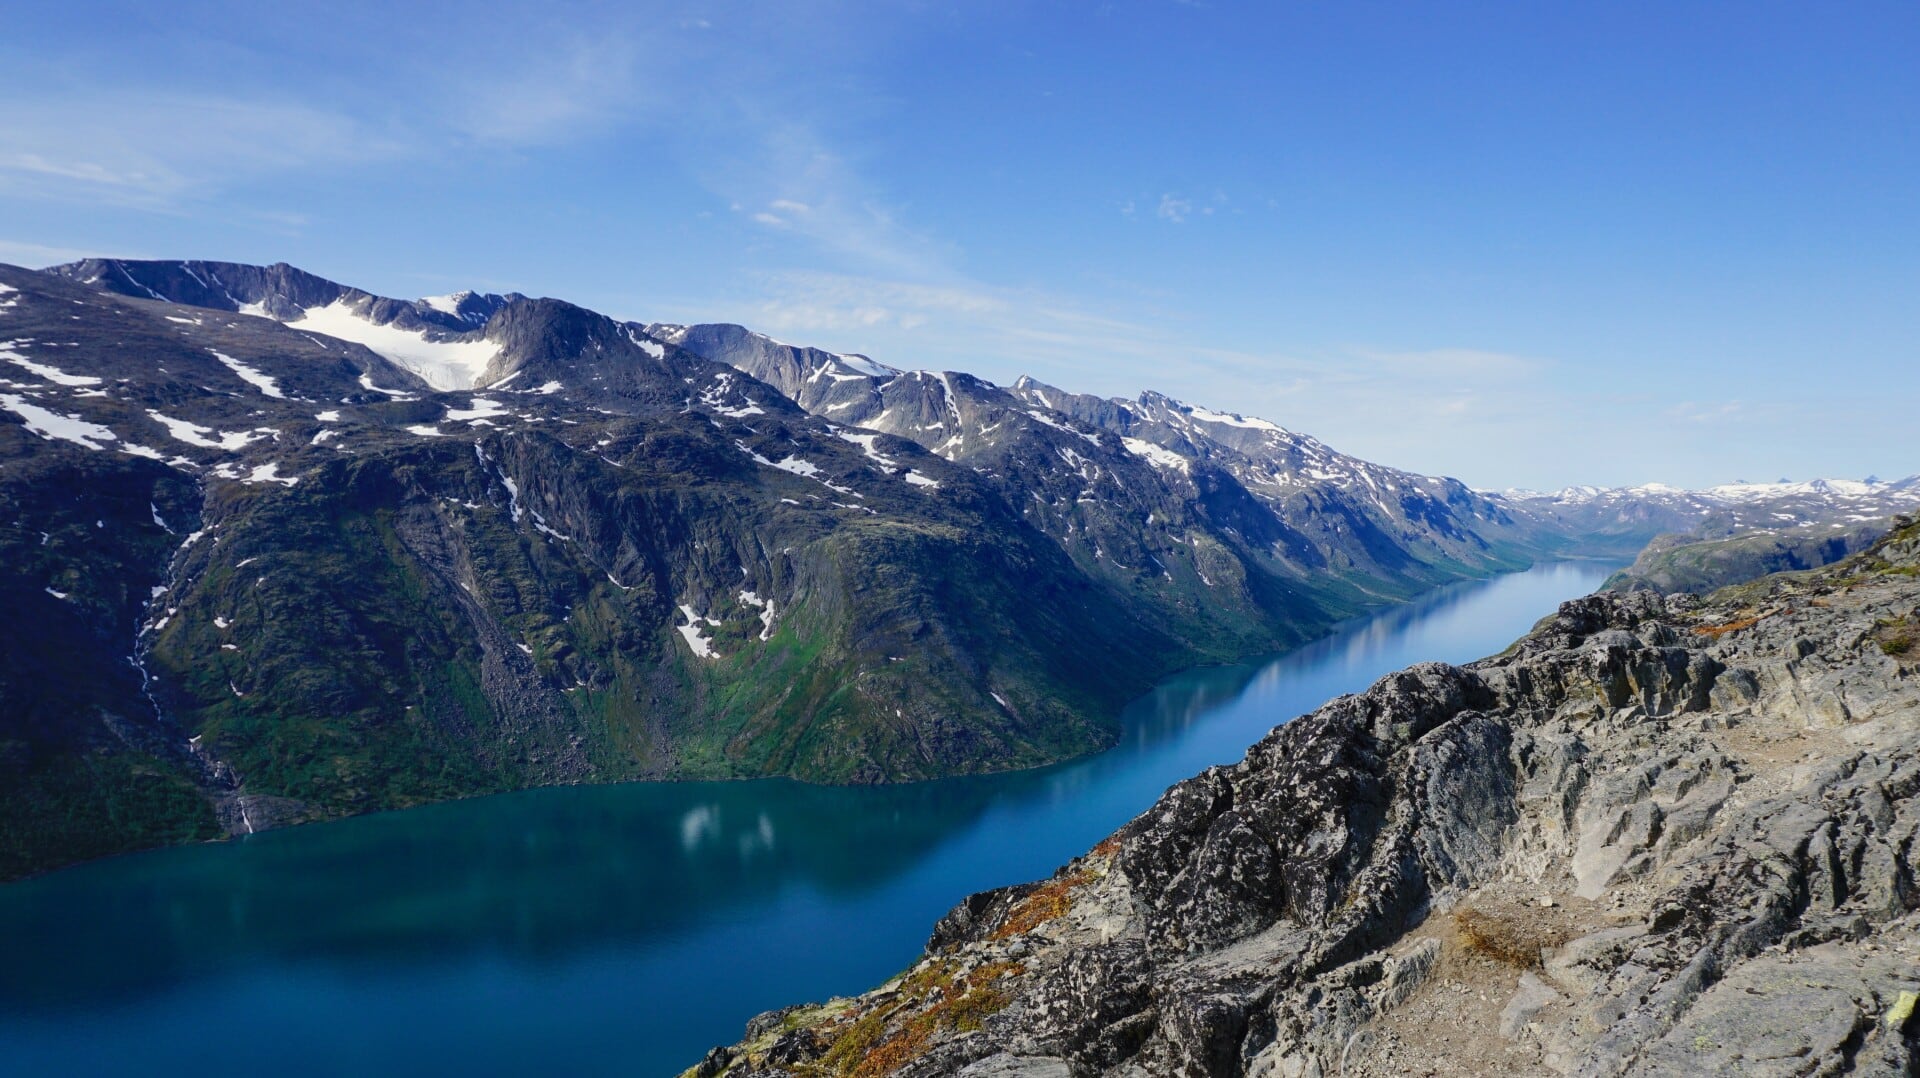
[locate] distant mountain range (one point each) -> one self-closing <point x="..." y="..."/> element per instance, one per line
<point x="1635" y="513"/>
<point x="281" y="549"/>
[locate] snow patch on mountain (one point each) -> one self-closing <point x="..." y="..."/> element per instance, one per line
<point x="865" y="442"/>
<point x="269" y="473"/>
<point x="647" y="344"/>
<point x="55" y="427"/>
<point x="481" y="411"/>
<point x="1057" y="425"/>
<point x="862" y="365"/>
<point x="715" y="397"/>
<point x="765" y="606"/>
<point x="445" y="365"/>
<point x="51" y="374"/>
<point x="194" y="434"/>
<point x="1158" y="456"/>
<point x="1232" y="420"/>
<point x="264" y="383"/>
<point x="694" y="633"/>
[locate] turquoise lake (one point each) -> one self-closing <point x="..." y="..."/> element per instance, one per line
<point x="616" y="929"/>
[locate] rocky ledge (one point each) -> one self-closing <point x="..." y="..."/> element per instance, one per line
<point x="1656" y="836"/>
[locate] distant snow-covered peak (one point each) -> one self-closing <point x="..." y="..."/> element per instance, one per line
<point x="1724" y="493"/>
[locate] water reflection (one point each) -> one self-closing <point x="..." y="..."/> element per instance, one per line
<point x="544" y="900"/>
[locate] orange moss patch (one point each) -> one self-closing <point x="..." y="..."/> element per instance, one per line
<point x="895" y="1052"/>
<point x="1108" y="846"/>
<point x="963" y="1006"/>
<point x="1718" y="631"/>
<point x="1050" y="901"/>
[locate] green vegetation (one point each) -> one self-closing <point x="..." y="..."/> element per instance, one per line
<point x="1895" y="635"/>
<point x="77" y="778"/>
<point x="933" y="1000"/>
<point x="61" y="809"/>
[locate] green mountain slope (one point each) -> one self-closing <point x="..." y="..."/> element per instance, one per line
<point x="281" y="550"/>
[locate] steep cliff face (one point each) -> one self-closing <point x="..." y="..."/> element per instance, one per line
<point x="1651" y="838"/>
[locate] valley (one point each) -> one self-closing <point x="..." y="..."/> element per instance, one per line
<point x="333" y="553"/>
<point x="622" y="927"/>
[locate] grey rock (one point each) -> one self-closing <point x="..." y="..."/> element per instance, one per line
<point x="1528" y="1000"/>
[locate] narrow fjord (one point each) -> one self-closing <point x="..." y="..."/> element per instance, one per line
<point x="623" y="928"/>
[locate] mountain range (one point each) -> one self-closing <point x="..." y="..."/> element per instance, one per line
<point x="280" y="549"/>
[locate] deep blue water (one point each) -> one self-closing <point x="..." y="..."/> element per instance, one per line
<point x="615" y="929"/>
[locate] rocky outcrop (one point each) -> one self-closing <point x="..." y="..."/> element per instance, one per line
<point x="1656" y="836"/>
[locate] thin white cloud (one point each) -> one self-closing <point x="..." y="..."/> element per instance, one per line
<point x="39" y="255"/>
<point x="153" y="150"/>
<point x="1454" y="362"/>
<point x="1712" y="412"/>
<point x="553" y="93"/>
<point x="794" y="181"/>
<point x="1174" y="208"/>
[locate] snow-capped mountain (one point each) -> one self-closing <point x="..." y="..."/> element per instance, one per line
<point x="1097" y="473"/>
<point x="343" y="536"/>
<point x="1334" y="498"/>
<point x="1654" y="508"/>
<point x="367" y="552"/>
<point x="439" y="338"/>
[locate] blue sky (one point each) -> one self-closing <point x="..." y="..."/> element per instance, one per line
<point x="1520" y="244"/>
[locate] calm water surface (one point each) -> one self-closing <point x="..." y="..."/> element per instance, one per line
<point x="615" y="929"/>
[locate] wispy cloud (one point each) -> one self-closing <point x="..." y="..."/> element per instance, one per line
<point x="1711" y="412"/>
<point x="554" y="93"/>
<point x="1453" y="363"/>
<point x="37" y="255"/>
<point x="782" y="174"/>
<point x="155" y="150"/>
<point x="161" y="141"/>
<point x="799" y="302"/>
<point x="1177" y="208"/>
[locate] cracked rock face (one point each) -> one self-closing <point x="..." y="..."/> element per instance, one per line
<point x="1656" y="836"/>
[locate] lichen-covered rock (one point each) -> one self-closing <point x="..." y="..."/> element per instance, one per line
<point x="1655" y="837"/>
